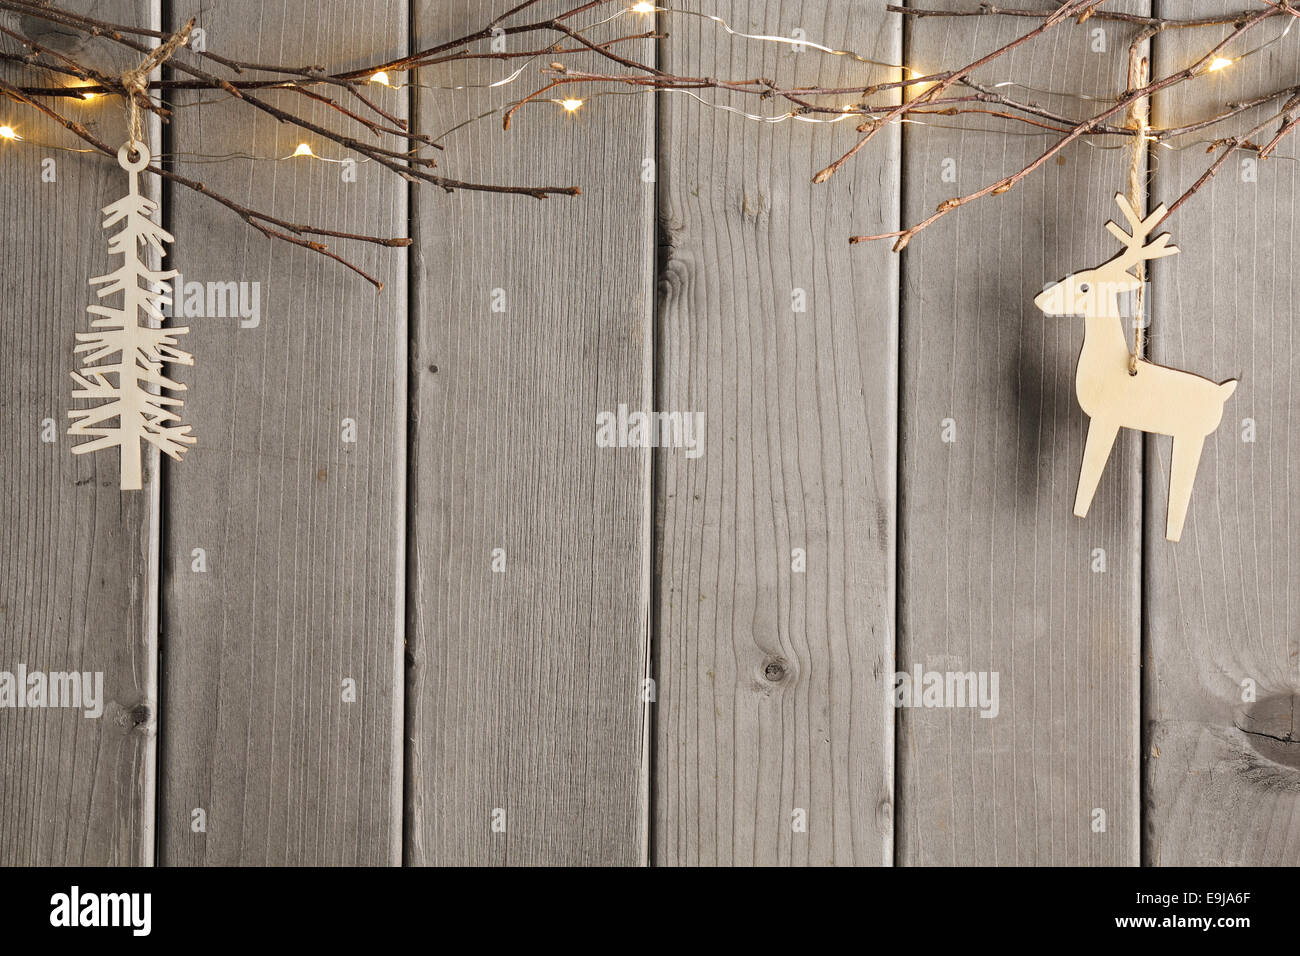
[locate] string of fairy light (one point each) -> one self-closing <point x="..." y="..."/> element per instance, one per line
<point x="571" y="105"/>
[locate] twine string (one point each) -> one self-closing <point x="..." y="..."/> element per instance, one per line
<point x="135" y="82"/>
<point x="1138" y="120"/>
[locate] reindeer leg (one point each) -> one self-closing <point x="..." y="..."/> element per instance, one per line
<point x="1187" y="455"/>
<point x="1101" y="436"/>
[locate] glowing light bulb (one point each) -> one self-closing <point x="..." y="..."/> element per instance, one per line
<point x="643" y="7"/>
<point x="571" y="106"/>
<point x="7" y="132"/>
<point x="303" y="150"/>
<point x="381" y="78"/>
<point x="89" y="96"/>
<point x="1218" y="63"/>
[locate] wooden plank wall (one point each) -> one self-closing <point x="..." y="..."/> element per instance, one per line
<point x="77" y="557"/>
<point x="525" y="699"/>
<point x="995" y="572"/>
<point x="499" y="587"/>
<point x="771" y="704"/>
<point x="1220" y="767"/>
<point x="301" y="529"/>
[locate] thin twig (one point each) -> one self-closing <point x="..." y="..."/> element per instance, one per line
<point x="1065" y="11"/>
<point x="904" y="236"/>
<point x="287" y="231"/>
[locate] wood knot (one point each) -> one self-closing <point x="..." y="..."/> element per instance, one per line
<point x="775" y="670"/>
<point x="136" y="719"/>
<point x="1270" y="728"/>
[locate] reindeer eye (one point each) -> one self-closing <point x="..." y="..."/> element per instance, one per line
<point x="1084" y="287"/>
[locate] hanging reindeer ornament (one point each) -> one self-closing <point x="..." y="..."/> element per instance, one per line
<point x="1116" y="392"/>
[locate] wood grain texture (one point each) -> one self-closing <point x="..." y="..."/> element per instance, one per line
<point x="303" y="531"/>
<point x="772" y="681"/>
<point x="524" y="685"/>
<point x="995" y="572"/>
<point x="77" y="556"/>
<point x="1223" y="773"/>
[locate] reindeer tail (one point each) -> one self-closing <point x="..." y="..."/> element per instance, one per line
<point x="1227" y="388"/>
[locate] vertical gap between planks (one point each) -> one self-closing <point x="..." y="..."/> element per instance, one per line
<point x="1145" y="456"/>
<point x="1148" y="303"/>
<point x="413" y="318"/>
<point x="1143" y="544"/>
<point x="653" y="538"/>
<point x="161" y="21"/>
<point x="905" y="50"/>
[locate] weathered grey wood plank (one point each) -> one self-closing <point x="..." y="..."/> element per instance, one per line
<point x="302" y="530"/>
<point x="772" y="680"/>
<point x="996" y="575"/>
<point x="1221" y="771"/>
<point x="524" y="685"/>
<point x="77" y="556"/>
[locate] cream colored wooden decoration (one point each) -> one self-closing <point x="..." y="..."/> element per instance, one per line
<point x="1152" y="398"/>
<point x="125" y="352"/>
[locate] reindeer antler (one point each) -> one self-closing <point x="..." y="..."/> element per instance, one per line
<point x="1134" y="250"/>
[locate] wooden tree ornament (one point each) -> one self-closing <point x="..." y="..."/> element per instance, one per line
<point x="1116" y="392"/>
<point x="125" y="352"/>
